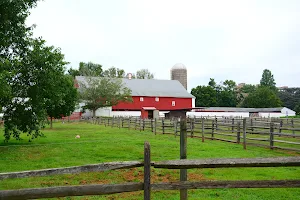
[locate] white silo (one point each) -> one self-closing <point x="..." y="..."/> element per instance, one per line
<point x="179" y="72"/>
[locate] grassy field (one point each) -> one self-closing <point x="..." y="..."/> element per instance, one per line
<point x="103" y="144"/>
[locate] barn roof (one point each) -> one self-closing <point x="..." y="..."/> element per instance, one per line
<point x="152" y="87"/>
<point x="235" y="109"/>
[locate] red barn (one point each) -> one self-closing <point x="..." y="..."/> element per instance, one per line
<point x="163" y="95"/>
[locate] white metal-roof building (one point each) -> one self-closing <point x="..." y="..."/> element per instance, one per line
<point x="243" y="112"/>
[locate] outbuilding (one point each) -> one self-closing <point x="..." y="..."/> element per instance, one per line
<point x="241" y="112"/>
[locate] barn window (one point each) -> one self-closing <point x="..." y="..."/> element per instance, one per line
<point x="141" y="99"/>
<point x="173" y="103"/>
<point x="156" y="99"/>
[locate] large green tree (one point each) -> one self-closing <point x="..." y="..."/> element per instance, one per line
<point x="101" y="92"/>
<point x="14" y="34"/>
<point x="205" y="96"/>
<point x="265" y="95"/>
<point x="228" y="95"/>
<point x="297" y="109"/>
<point x="14" y="42"/>
<point x="223" y="95"/>
<point x="28" y="72"/>
<point x="33" y="85"/>
<point x="61" y="97"/>
<point x="290" y="97"/>
<point x="267" y="80"/>
<point x="262" y="97"/>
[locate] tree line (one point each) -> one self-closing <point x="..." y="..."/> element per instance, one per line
<point x="94" y="69"/>
<point x="263" y="95"/>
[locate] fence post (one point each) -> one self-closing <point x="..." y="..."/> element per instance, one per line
<point x="191" y="127"/>
<point x="143" y="124"/>
<point x="155" y="124"/>
<point x="175" y="126"/>
<point x="129" y="122"/>
<point x="163" y="126"/>
<point x="244" y="133"/>
<point x="292" y="121"/>
<point x="151" y="123"/>
<point x="140" y="124"/>
<point x="238" y="135"/>
<point x="135" y="123"/>
<point x="280" y="126"/>
<point x="183" y="153"/>
<point x="232" y="127"/>
<point x="202" y="123"/>
<point x="212" y="130"/>
<point x="119" y="122"/>
<point x="147" y="171"/>
<point x="251" y="124"/>
<point x="271" y="135"/>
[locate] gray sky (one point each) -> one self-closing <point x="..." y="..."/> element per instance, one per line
<point x="232" y="39"/>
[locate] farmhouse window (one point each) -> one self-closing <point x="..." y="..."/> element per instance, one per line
<point x="156" y="99"/>
<point x="141" y="99"/>
<point x="173" y="103"/>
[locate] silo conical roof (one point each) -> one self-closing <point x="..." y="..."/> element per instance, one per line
<point x="178" y="66"/>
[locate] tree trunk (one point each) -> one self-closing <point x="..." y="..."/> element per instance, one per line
<point x="94" y="113"/>
<point x="51" y="123"/>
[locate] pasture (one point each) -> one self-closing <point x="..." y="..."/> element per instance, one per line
<point x="105" y="144"/>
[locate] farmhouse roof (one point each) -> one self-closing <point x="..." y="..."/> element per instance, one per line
<point x="152" y="87"/>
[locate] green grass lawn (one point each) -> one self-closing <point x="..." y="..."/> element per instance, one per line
<point x="104" y="144"/>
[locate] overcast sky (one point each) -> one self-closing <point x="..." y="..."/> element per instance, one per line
<point x="232" y="39"/>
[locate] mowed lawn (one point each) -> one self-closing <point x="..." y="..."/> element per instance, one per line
<point x="104" y="144"/>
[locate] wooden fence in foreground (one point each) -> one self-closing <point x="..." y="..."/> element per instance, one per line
<point x="183" y="185"/>
<point x="265" y="132"/>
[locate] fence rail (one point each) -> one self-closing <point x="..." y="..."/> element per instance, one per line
<point x="73" y="170"/>
<point x="229" y="163"/>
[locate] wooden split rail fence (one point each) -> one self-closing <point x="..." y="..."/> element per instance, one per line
<point x="275" y="133"/>
<point x="104" y="189"/>
<point x="183" y="185"/>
